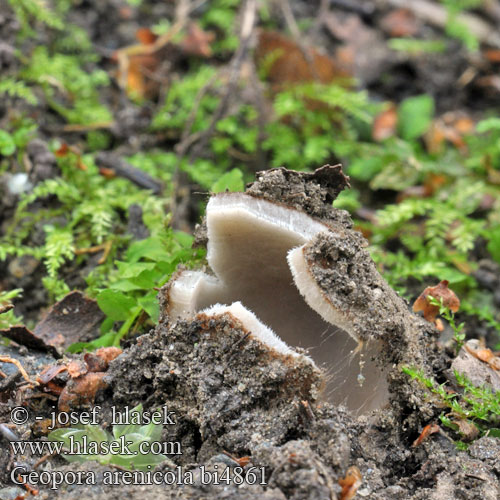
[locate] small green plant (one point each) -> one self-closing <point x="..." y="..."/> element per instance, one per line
<point x="455" y="26"/>
<point x="94" y="438"/>
<point x="30" y="11"/>
<point x="18" y="89"/>
<point x="479" y="406"/>
<point x="8" y="318"/>
<point x="222" y="16"/>
<point x="303" y="137"/>
<point x="448" y="315"/>
<point x="70" y="89"/>
<point x="129" y="296"/>
<point x="421" y="235"/>
<point x="415" y="46"/>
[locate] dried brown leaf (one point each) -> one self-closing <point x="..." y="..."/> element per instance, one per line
<point x="426" y="432"/>
<point x="145" y="36"/>
<point x="400" y="23"/>
<point x="384" y="125"/>
<point x="284" y="62"/>
<point x="468" y="430"/>
<point x="440" y="291"/>
<point x="197" y="42"/>
<point x="48" y="373"/>
<point x="108" y="353"/>
<point x="81" y="391"/>
<point x="350" y="483"/>
<point x="77" y="368"/>
<point x="484" y="354"/>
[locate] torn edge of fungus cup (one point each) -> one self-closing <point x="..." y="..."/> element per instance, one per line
<point x="291" y="270"/>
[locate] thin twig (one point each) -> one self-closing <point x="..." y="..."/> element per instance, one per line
<point x="5" y="308"/>
<point x="200" y="139"/>
<point x="43" y="459"/>
<point x="247" y="25"/>
<point x="8" y="359"/>
<point x="9" y="382"/>
<point x="298" y="37"/>
<point x="187" y="138"/>
<point x="437" y="15"/>
<point x="324" y="7"/>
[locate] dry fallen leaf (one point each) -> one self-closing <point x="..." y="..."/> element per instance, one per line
<point x="144" y="67"/>
<point x="384" y="125"/>
<point x="136" y="72"/>
<point x="138" y="64"/>
<point x="400" y="23"/>
<point x="468" y="430"/>
<point x="77" y="368"/>
<point x="284" y="62"/>
<point x="435" y="137"/>
<point x="108" y="353"/>
<point x="81" y="391"/>
<point x="350" y="483"/>
<point x="440" y="291"/>
<point x="197" y="42"/>
<point x="493" y="55"/>
<point x="74" y="318"/>
<point x="451" y="127"/>
<point x="145" y="36"/>
<point x="426" y="432"/>
<point x="86" y="377"/>
<point x="50" y="372"/>
<point x="484" y="354"/>
<point x="95" y="363"/>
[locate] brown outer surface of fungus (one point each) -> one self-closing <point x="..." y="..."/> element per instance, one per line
<point x="347" y="281"/>
<point x="350" y="282"/>
<point x="407" y="340"/>
<point x="303" y="377"/>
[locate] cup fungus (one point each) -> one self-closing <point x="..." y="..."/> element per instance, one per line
<point x="269" y="261"/>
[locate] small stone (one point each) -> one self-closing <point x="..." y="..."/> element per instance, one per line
<point x="19" y="183"/>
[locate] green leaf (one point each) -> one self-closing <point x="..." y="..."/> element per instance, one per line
<point x="494" y="243"/>
<point x="64" y="434"/>
<point x="105" y="340"/>
<point x="185" y="240"/>
<point x="151" y="431"/>
<point x="7" y="144"/>
<point x="145" y="280"/>
<point x="115" y="304"/>
<point x="150" y="304"/>
<point x="124" y="461"/>
<point x="488" y="124"/>
<point x="365" y="169"/>
<point x="143" y="462"/>
<point x="150" y="248"/>
<point x="415" y="115"/>
<point x="230" y="181"/>
<point x="125" y="429"/>
<point x="133" y="269"/>
<point x="416" y="46"/>
<point x="95" y="433"/>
